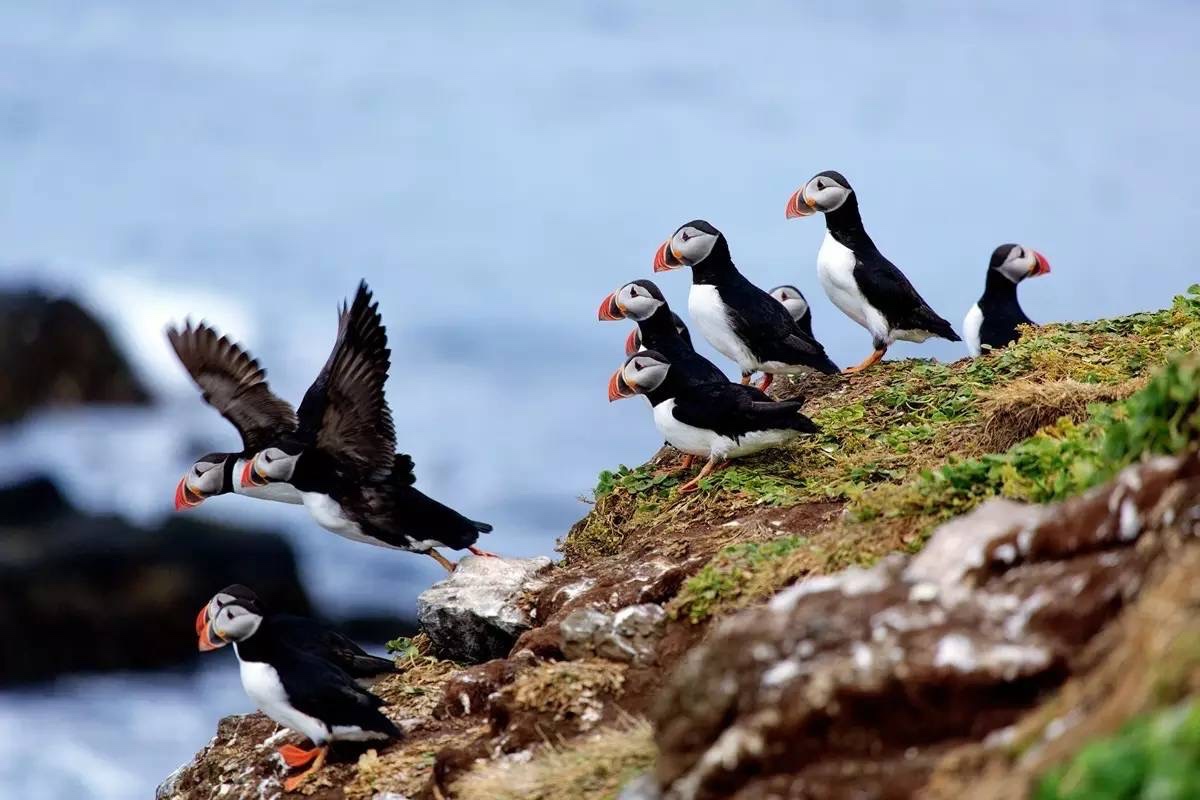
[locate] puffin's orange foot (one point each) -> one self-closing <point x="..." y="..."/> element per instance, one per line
<point x="768" y="378"/>
<point x="446" y="563"/>
<point x="690" y="486"/>
<point x="292" y="783"/>
<point x="482" y="553"/>
<point x="295" y="756"/>
<point x="869" y="361"/>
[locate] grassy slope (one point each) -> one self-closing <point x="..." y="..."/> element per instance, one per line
<point x="902" y="448"/>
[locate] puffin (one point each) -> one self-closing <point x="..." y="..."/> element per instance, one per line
<point x="634" y="342"/>
<point x="298" y="689"/>
<point x="993" y="321"/>
<point x="858" y="278"/>
<point x="658" y="329"/>
<point x="341" y="457"/>
<point x="796" y="304"/>
<point x="232" y="382"/>
<point x="301" y="633"/>
<point x="739" y="319"/>
<point x="710" y="420"/>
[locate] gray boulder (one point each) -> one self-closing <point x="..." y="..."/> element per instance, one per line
<point x="473" y="615"/>
<point x="629" y="635"/>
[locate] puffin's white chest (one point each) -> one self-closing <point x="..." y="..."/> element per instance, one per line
<point x="835" y="271"/>
<point x="701" y="442"/>
<point x="276" y="492"/>
<point x="971" y="326"/>
<point x="329" y="515"/>
<point x="710" y="315"/>
<point x="263" y="686"/>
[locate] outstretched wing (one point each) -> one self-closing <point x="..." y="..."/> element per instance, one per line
<point x="345" y="413"/>
<point x="233" y="383"/>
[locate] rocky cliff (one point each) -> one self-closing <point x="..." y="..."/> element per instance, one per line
<point x="978" y="580"/>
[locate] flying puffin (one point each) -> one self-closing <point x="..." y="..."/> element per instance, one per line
<point x="634" y="342"/>
<point x="299" y="690"/>
<point x="341" y="456"/>
<point x="993" y="321"/>
<point x="796" y="304"/>
<point x="302" y="633"/>
<point x="859" y="280"/>
<point x="713" y="420"/>
<point x="233" y="383"/>
<point x="740" y="320"/>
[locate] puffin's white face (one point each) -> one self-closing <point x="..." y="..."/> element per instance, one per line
<point x="691" y="245"/>
<point x="1018" y="263"/>
<point x="642" y="372"/>
<point x="822" y="193"/>
<point x="203" y="480"/>
<point x="234" y="622"/>
<point x="637" y="302"/>
<point x="272" y="465"/>
<point x="792" y="300"/>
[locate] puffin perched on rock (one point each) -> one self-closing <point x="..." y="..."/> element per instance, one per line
<point x="301" y="633"/>
<point x="233" y="383"/>
<point x="342" y="457"/>
<point x="659" y="329"/>
<point x="859" y="280"/>
<point x="796" y="304"/>
<point x="740" y="320"/>
<point x="993" y="321"/>
<point x="298" y="689"/>
<point x="713" y="420"/>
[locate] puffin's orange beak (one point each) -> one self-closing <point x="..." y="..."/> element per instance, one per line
<point x="185" y="498"/>
<point x="631" y="342"/>
<point x="610" y="309"/>
<point x="205" y="640"/>
<point x="799" y="205"/>
<point x="250" y="475"/>
<point x="618" y="388"/>
<point x="664" y="259"/>
<point x="1040" y="265"/>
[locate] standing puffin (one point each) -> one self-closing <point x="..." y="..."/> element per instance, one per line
<point x="233" y="383"/>
<point x="859" y="280"/>
<point x="643" y="302"/>
<point x="740" y="320"/>
<point x="299" y="690"/>
<point x="993" y="321"/>
<point x="342" y="459"/>
<point x="796" y="304"/>
<point x="713" y="420"/>
<point x="301" y="633"/>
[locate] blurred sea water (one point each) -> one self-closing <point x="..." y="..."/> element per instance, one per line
<point x="493" y="171"/>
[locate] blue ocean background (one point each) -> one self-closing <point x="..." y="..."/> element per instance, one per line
<point x="494" y="170"/>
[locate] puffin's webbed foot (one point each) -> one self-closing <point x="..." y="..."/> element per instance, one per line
<point x="869" y="361"/>
<point x="446" y="563"/>
<point x="297" y="757"/>
<point x="481" y="552"/>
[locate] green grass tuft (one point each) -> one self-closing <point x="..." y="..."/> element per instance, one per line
<point x="736" y="576"/>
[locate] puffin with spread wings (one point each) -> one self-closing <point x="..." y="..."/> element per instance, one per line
<point x="341" y="455"/>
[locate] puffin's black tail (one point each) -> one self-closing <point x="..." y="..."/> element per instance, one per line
<point x="938" y="326"/>
<point x="426" y="518"/>
<point x="482" y="527"/>
<point x="367" y="666"/>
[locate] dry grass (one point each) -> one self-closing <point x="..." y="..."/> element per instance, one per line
<point x="568" y="689"/>
<point x="588" y="768"/>
<point x="1015" y="411"/>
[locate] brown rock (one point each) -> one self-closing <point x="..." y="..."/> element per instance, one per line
<point x="851" y="684"/>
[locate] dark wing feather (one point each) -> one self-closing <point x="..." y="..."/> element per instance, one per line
<point x="765" y="325"/>
<point x="887" y="289"/>
<point x="233" y="383"/>
<point x="345" y="413"/>
<point x="731" y="412"/>
<point x="322" y="690"/>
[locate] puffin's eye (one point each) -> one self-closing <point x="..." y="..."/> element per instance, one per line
<point x="684" y="235"/>
<point x="197" y="471"/>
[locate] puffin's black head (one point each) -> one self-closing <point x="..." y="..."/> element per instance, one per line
<point x="1017" y="263"/>
<point x="826" y="191"/>
<point x="205" y="479"/>
<point x="637" y="300"/>
<point x="274" y="464"/>
<point x="691" y="244"/>
<point x="633" y="342"/>
<point x="792" y="299"/>
<point x="641" y="373"/>
<point x="232" y="615"/>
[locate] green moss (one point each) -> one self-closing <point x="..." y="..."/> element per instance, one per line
<point x="1156" y="756"/>
<point x="737" y="575"/>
